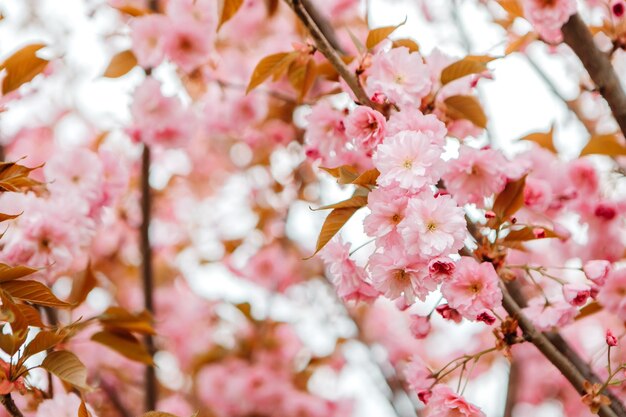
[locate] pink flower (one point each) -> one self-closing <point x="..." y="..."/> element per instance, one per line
<point x="576" y="294"/>
<point x="400" y="75"/>
<point x="433" y="226"/>
<point x="486" y="317"/>
<point x="611" y="340"/>
<point x="476" y="174"/>
<point x="348" y="278"/>
<point x="409" y="159"/>
<point x="546" y="316"/>
<point x="597" y="271"/>
<point x="147" y="35"/>
<point x="417" y="375"/>
<point x="441" y="269"/>
<point x="387" y="206"/>
<point x="618" y="8"/>
<point x="473" y="288"/>
<point x="394" y="275"/>
<point x="6" y="385"/>
<point x="366" y="127"/>
<point x="188" y="45"/>
<point x="548" y="16"/>
<point x="612" y="293"/>
<point x="537" y="194"/>
<point x="584" y="176"/>
<point x="415" y="120"/>
<point x="419" y="326"/>
<point x="448" y="313"/>
<point x="61" y="405"/>
<point x="446" y="403"/>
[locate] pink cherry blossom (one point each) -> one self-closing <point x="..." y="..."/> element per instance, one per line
<point x="395" y="275"/>
<point x="611" y="340"/>
<point x="446" y="403"/>
<point x="417" y="375"/>
<point x="387" y="206"/>
<point x="419" y="326"/>
<point x="187" y="45"/>
<point x="441" y="268"/>
<point x="366" y="127"/>
<point x="547" y="16"/>
<point x="548" y="315"/>
<point x="476" y="174"/>
<point x="62" y="405"/>
<point x="409" y="159"/>
<point x="433" y="226"/>
<point x="611" y="295"/>
<point x="473" y="288"/>
<point x="400" y="75"/>
<point x="597" y="270"/>
<point x="415" y="120"/>
<point x="147" y="34"/>
<point x="576" y="294"/>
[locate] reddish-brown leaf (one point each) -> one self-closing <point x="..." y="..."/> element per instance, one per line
<point x="410" y="44"/>
<point x="527" y="233"/>
<point x="227" y="9"/>
<point x="121" y="319"/>
<point x="125" y="344"/>
<point x="14" y="177"/>
<point x="335" y="221"/>
<point x="460" y="69"/>
<point x="588" y="310"/>
<point x="34" y="292"/>
<point x="510" y="200"/>
<point x="356" y="201"/>
<point x="543" y="139"/>
<point x="466" y="107"/>
<point x="82" y="285"/>
<point x="609" y="145"/>
<point x="9" y="273"/>
<point x="376" y="36"/>
<point x="121" y="64"/>
<point x="22" y="67"/>
<point x="67" y="367"/>
<point x="82" y="410"/>
<point x="44" y="340"/>
<point x="269" y="66"/>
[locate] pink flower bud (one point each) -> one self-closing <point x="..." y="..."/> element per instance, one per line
<point x="597" y="271"/>
<point x="419" y="326"/>
<point x="424" y="396"/>
<point x="611" y="340"/>
<point x="539" y="233"/>
<point x="618" y="8"/>
<point x="576" y="294"/>
<point x="490" y="214"/>
<point x="401" y="304"/>
<point x="486" y="317"/>
<point x="441" y="268"/>
<point x="449" y="313"/>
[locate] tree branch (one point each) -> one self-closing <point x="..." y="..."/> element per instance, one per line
<point x="598" y="65"/>
<point x="512" y="387"/>
<point x="311" y="20"/>
<point x="9" y="404"/>
<point x="541" y="342"/>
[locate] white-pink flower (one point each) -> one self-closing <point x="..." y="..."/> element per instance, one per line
<point x="365" y="127"/>
<point x="408" y="159"/>
<point x="548" y="315"/>
<point x="612" y="294"/>
<point x="548" y="16"/>
<point x="433" y="226"/>
<point x="473" y="288"/>
<point x="415" y="120"/>
<point x="387" y="206"/>
<point x="187" y="44"/>
<point x="446" y="403"/>
<point x="475" y="174"/>
<point x="400" y="75"/>
<point x="597" y="270"/>
<point x="147" y="34"/>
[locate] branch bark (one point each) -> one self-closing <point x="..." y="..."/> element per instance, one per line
<point x="511" y="390"/>
<point x="598" y="64"/>
<point x="557" y="358"/>
<point x="9" y="404"/>
<point x="311" y="19"/>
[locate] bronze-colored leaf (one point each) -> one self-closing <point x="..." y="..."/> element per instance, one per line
<point x="591" y="308"/>
<point x="67" y="367"/>
<point x="11" y="342"/>
<point x="367" y="179"/>
<point x="510" y="200"/>
<point x="82" y="410"/>
<point x="345" y="174"/>
<point x="269" y="66"/>
<point x="34" y="292"/>
<point x="121" y="319"/>
<point x="82" y="285"/>
<point x="125" y="344"/>
<point x="44" y="340"/>
<point x="227" y="9"/>
<point x="512" y="7"/>
<point x="376" y="36"/>
<point x="31" y="315"/>
<point x="521" y="42"/>
<point x="466" y="107"/>
<point x="4" y="217"/>
<point x="131" y="10"/>
<point x="302" y="76"/>
<point x="9" y="273"/>
<point x="22" y="67"/>
<point x="157" y="414"/>
<point x="14" y="177"/>
<point x="121" y="64"/>
<point x="356" y="201"/>
<point x="527" y="233"/>
<point x="410" y="44"/>
<point x="460" y="69"/>
<point x="19" y="323"/>
<point x="543" y="139"/>
<point x="333" y="223"/>
<point x="609" y="145"/>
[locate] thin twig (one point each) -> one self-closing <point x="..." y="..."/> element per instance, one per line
<point x="598" y="65"/>
<point x="9" y="404"/>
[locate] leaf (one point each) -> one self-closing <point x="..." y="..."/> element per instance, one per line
<point x="11" y="343"/>
<point x="157" y="414"/>
<point x="543" y="139"/>
<point x="376" y="36"/>
<point x="119" y="318"/>
<point x="67" y="367"/>
<point x="335" y="221"/>
<point x="356" y="201"/>
<point x="460" y="69"/>
<point x="4" y="217"/>
<point x="604" y="145"/>
<point x="466" y="107"/>
<point x="14" y="177"/>
<point x="125" y="344"/>
<point x="510" y="200"/>
<point x="22" y="67"/>
<point x="34" y="292"/>
<point x="345" y="174"/>
<point x="268" y="66"/>
<point x="17" y="319"/>
<point x="367" y="179"/>
<point x="227" y="9"/>
<point x="512" y="7"/>
<point x="410" y="44"/>
<point x="521" y="42"/>
<point x="527" y="233"/>
<point x="82" y="410"/>
<point x="31" y="315"/>
<point x="302" y="76"/>
<point x="131" y="10"/>
<point x="591" y="308"/>
<point x="121" y="64"/>
<point x="82" y="285"/>
<point x="44" y="340"/>
<point x="9" y="273"/>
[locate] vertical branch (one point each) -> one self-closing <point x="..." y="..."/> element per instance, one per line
<point x="147" y="276"/>
<point x="511" y="390"/>
<point x="598" y="64"/>
<point x="9" y="404"/>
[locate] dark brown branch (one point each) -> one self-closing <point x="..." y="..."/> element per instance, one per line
<point x="116" y="401"/>
<point x="557" y="358"/>
<point x="307" y="15"/>
<point x="598" y="65"/>
<point x="9" y="404"/>
<point x="147" y="276"/>
<point x="511" y="390"/>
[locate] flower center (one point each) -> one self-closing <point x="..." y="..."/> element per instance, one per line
<point x="475" y="287"/>
<point x="431" y="226"/>
<point x="401" y="275"/>
<point x="408" y="164"/>
<point x="396" y="218"/>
